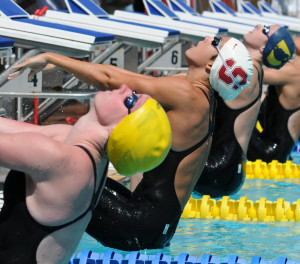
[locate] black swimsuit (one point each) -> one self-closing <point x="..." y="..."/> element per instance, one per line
<point x="148" y="217"/>
<point x="223" y="173"/>
<point x="275" y="141"/>
<point x="20" y="234"/>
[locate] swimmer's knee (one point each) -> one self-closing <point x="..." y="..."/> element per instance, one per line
<point x="224" y="183"/>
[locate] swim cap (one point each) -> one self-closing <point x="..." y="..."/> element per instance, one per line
<point x="141" y="141"/>
<point x="229" y="81"/>
<point x="279" y="49"/>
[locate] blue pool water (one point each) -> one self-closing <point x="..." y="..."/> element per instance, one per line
<point x="269" y="240"/>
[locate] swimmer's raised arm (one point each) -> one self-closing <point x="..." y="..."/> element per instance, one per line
<point x="287" y="74"/>
<point x="46" y="61"/>
<point x="297" y="45"/>
<point x="166" y="90"/>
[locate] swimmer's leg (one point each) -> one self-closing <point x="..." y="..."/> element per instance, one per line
<point x="220" y="183"/>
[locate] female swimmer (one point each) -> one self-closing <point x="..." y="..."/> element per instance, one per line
<point x="279" y="115"/>
<point x="235" y="119"/>
<point x="59" y="171"/>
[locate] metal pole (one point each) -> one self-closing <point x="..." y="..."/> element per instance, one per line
<point x="19" y="109"/>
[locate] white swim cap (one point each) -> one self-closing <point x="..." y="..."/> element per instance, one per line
<point x="232" y="69"/>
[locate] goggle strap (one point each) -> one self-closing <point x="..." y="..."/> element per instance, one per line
<point x="228" y="69"/>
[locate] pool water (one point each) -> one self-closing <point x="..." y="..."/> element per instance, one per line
<point x="269" y="240"/>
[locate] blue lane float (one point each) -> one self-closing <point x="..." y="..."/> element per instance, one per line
<point x="135" y="257"/>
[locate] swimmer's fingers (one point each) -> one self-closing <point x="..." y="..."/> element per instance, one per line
<point x="34" y="72"/>
<point x="36" y="64"/>
<point x="15" y="74"/>
<point x="20" y="68"/>
<point x="34" y="69"/>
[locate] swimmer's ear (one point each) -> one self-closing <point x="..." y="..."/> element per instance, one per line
<point x="261" y="50"/>
<point x="209" y="66"/>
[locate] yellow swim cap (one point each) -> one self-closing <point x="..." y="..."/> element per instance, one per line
<point x="141" y="141"/>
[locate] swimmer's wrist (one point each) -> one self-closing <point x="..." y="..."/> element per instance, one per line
<point x="49" y="57"/>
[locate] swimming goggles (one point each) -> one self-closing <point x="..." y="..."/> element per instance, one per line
<point x="130" y="101"/>
<point x="266" y="31"/>
<point x="216" y="43"/>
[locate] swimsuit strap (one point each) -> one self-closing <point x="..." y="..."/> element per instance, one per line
<point x="260" y="79"/>
<point x="96" y="194"/>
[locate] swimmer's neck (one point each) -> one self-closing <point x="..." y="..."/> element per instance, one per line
<point x="90" y="134"/>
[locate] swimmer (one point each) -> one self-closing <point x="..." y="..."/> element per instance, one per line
<point x="279" y="115"/>
<point x="58" y="172"/>
<point x="223" y="175"/>
<point x="148" y="216"/>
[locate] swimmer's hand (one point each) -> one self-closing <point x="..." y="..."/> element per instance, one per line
<point x="35" y="64"/>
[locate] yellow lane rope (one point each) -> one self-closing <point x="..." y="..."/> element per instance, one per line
<point x="242" y="209"/>
<point x="273" y="170"/>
